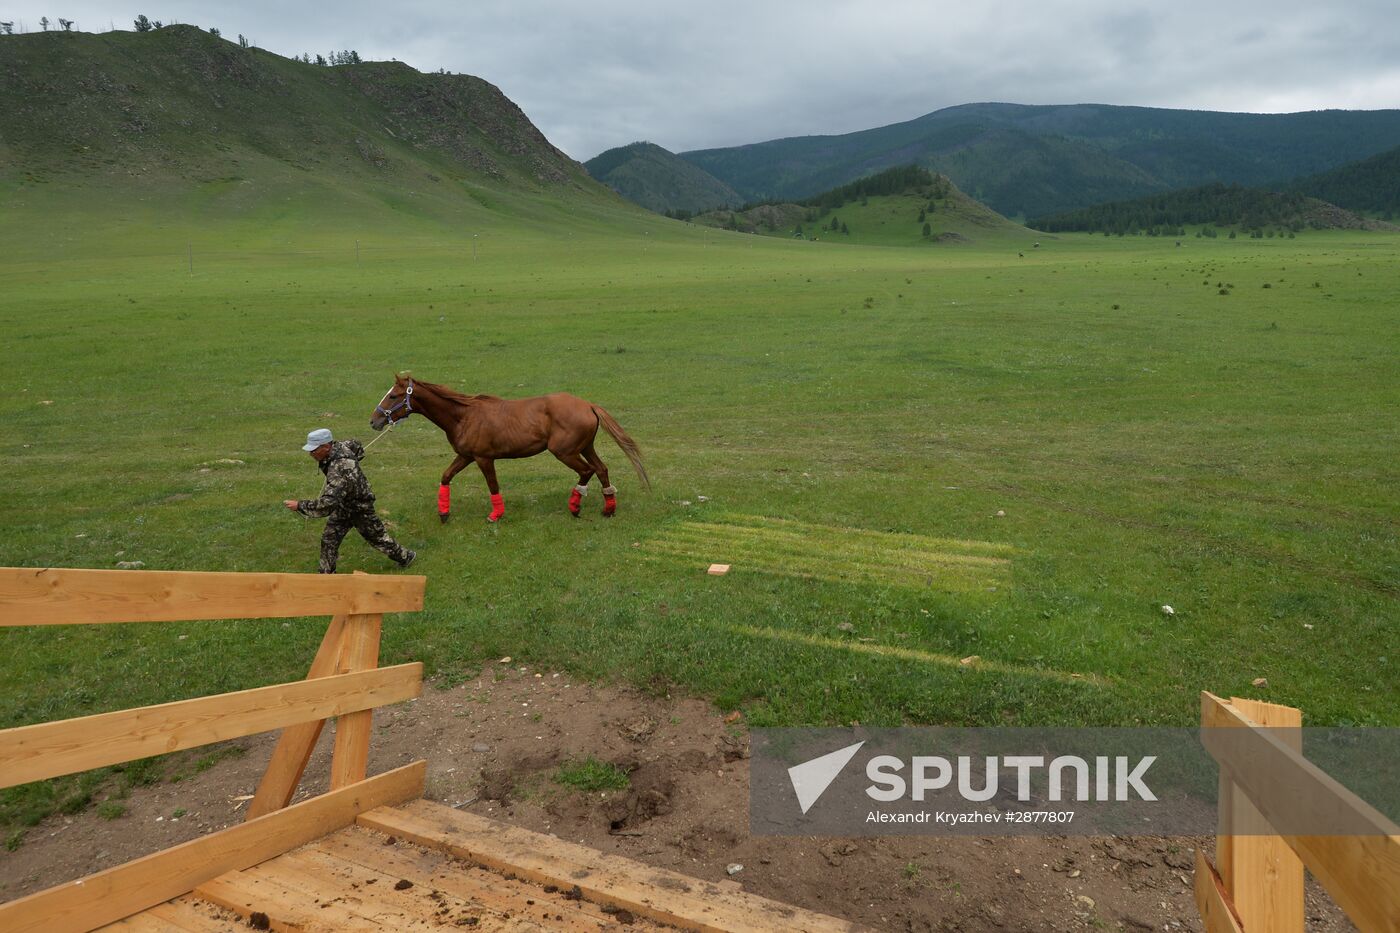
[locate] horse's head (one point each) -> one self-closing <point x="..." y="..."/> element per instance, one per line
<point x="396" y="405"/>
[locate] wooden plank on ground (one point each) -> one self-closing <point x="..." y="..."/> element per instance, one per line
<point x="32" y="753"/>
<point x="144" y="923"/>
<point x="656" y="893"/>
<point x="61" y="596"/>
<point x="122" y="891"/>
<point x="1217" y="916"/>
<point x="417" y="906"/>
<point x="359" y="652"/>
<point x="248" y="894"/>
<point x="1360" y="870"/>
<point x="486" y="891"/>
<point x="292" y="901"/>
<point x="181" y="915"/>
<point x="196" y="916"/>
<point x="294" y="746"/>
<point x="377" y="906"/>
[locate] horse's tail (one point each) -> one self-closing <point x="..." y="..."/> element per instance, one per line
<point x="629" y="446"/>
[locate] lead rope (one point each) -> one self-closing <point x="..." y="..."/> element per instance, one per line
<point x="387" y="428"/>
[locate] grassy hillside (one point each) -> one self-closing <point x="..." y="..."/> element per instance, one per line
<point x="181" y="126"/>
<point x="1227" y="206"/>
<point x="1371" y="186"/>
<point x="1030" y="161"/>
<point x="879" y="216"/>
<point x="659" y="180"/>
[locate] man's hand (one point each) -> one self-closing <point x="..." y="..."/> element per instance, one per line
<point x="290" y="503"/>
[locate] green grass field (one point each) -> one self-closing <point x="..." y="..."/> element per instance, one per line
<point x="841" y="423"/>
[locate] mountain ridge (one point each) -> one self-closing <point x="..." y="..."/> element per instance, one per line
<point x="1034" y="160"/>
<point x="174" y="94"/>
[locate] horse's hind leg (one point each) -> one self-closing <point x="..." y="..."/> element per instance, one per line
<point x="601" y="468"/>
<point x="445" y="487"/>
<point x="580" y="466"/>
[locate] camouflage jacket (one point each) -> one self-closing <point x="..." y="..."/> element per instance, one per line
<point x="347" y="489"/>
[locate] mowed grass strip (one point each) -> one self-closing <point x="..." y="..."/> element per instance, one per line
<point x="830" y="553"/>
<point x="864" y="646"/>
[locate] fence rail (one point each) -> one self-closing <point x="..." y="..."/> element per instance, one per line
<point x="51" y="749"/>
<point x="1256" y="885"/>
<point x="54" y="596"/>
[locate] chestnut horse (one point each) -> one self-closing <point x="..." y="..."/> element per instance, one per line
<point x="483" y="429"/>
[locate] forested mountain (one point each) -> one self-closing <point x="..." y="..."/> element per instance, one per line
<point x="1254" y="210"/>
<point x="1371" y="185"/>
<point x="1039" y="160"/>
<point x="659" y="180"/>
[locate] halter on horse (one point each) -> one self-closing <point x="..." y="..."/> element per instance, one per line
<point x="406" y="402"/>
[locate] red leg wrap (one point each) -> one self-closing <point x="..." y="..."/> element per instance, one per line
<point x="609" y="505"/>
<point x="444" y="499"/>
<point x="498" y="508"/>
<point x="575" y="500"/>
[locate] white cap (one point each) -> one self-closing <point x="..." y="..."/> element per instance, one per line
<point x="316" y="438"/>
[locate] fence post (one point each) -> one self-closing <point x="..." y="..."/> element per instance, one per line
<point x="1260" y="871"/>
<point x="350" y="760"/>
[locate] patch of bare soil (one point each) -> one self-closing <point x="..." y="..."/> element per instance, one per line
<point x="495" y="743"/>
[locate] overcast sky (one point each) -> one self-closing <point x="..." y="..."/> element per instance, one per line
<point x="603" y="73"/>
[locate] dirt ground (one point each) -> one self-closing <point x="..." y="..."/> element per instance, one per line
<point x="494" y="743"/>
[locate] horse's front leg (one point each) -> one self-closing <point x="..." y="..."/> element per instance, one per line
<point x="445" y="488"/>
<point x="498" y="505"/>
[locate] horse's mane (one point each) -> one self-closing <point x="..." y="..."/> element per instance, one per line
<point x="452" y="395"/>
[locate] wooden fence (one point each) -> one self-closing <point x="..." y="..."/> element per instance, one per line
<point x="1256" y="884"/>
<point x="345" y="681"/>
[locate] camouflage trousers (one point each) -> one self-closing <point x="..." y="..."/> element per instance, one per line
<point x="370" y="527"/>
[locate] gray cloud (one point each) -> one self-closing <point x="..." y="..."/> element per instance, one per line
<point x="685" y="76"/>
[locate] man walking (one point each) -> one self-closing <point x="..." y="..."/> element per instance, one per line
<point x="346" y="502"/>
